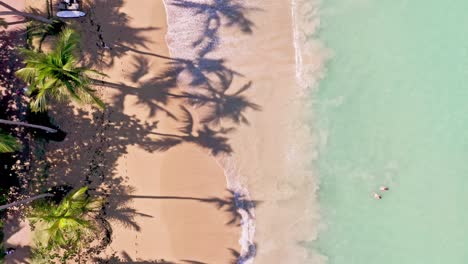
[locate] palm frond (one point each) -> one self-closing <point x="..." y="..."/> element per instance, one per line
<point x="67" y="221"/>
<point x="57" y="75"/>
<point x="8" y="143"/>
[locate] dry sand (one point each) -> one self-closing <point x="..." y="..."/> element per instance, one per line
<point x="177" y="230"/>
<point x="13" y="21"/>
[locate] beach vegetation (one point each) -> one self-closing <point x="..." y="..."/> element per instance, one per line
<point x="63" y="228"/>
<point x="57" y="75"/>
<point x="8" y="143"/>
<point x="37" y="29"/>
<point x="66" y="223"/>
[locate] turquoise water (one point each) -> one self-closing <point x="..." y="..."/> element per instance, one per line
<point x="394" y="107"/>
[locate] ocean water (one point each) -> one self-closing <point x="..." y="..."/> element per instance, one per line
<point x="393" y="110"/>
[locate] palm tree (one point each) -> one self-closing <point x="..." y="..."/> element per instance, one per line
<point x="42" y="31"/>
<point x="25" y="201"/>
<point x="57" y="75"/>
<point x="67" y="222"/>
<point x="16" y="12"/>
<point x="8" y="143"/>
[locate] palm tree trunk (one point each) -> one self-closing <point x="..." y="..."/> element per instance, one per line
<point x="6" y="206"/>
<point x="15" y="123"/>
<point x="14" y="11"/>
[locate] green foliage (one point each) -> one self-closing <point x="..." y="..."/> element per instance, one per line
<point x="43" y="30"/>
<point x="8" y="143"/>
<point x="65" y="224"/>
<point x="3" y="23"/>
<point x="57" y="74"/>
<point x="44" y="255"/>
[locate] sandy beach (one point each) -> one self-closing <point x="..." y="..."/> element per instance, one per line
<point x="148" y="219"/>
<point x="162" y="205"/>
<point x="148" y="224"/>
<point x="194" y="108"/>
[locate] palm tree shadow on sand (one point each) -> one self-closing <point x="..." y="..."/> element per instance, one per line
<point x="209" y="80"/>
<point x="215" y="141"/>
<point x="210" y="83"/>
<point x="243" y="258"/>
<point x="89" y="155"/>
<point x="126" y="259"/>
<point x="100" y="139"/>
<point x="234" y="204"/>
<point x="231" y="13"/>
<point x="108" y="33"/>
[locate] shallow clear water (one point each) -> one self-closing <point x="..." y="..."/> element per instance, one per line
<point x="393" y="110"/>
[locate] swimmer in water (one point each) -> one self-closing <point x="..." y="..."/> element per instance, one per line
<point x="376" y="196"/>
<point x="384" y="188"/>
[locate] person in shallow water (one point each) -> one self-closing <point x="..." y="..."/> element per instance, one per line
<point x="377" y="196"/>
<point x="384" y="188"/>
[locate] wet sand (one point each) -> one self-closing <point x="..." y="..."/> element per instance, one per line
<point x="273" y="155"/>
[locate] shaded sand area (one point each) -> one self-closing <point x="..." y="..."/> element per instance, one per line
<point x="162" y="204"/>
<point x="16" y="232"/>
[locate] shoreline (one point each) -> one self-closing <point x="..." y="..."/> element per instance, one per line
<point x="274" y="155"/>
<point x="264" y="154"/>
